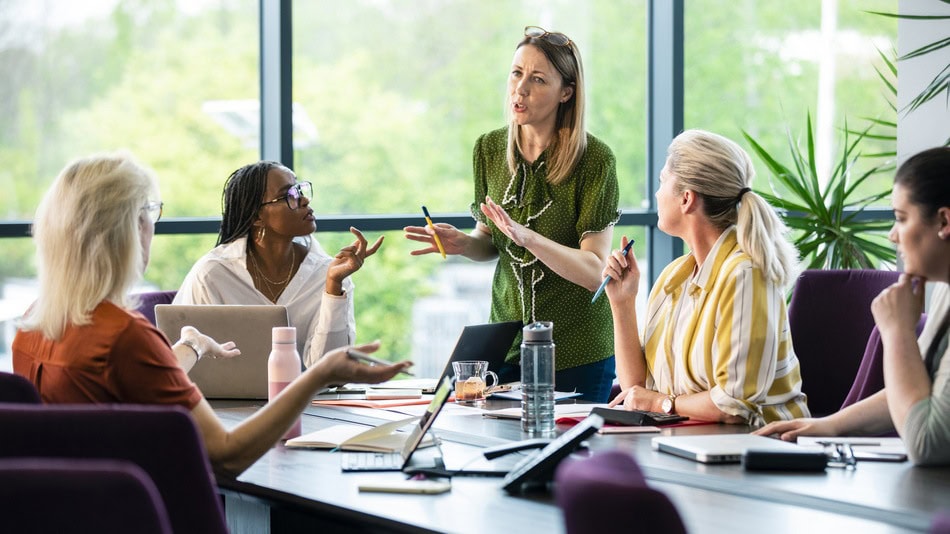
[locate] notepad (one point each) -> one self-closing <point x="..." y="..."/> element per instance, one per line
<point x="383" y="404"/>
<point x="382" y="438"/>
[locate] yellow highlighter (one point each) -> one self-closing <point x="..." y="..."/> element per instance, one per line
<point x="438" y="242"/>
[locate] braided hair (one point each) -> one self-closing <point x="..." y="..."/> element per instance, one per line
<point x="241" y="200"/>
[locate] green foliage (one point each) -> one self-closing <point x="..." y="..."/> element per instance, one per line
<point x="940" y="82"/>
<point x="830" y="232"/>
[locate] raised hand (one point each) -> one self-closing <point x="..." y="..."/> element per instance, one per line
<point x="515" y="231"/>
<point x="207" y="346"/>
<point x="624" y="274"/>
<point x="341" y="369"/>
<point x="453" y="240"/>
<point x="349" y="260"/>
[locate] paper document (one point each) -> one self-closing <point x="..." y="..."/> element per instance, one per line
<point x="515" y="394"/>
<point x="560" y="410"/>
<point x="390" y="403"/>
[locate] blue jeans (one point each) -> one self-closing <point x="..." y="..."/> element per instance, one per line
<point x="593" y="380"/>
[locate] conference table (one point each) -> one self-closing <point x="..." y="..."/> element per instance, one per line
<point x="293" y="490"/>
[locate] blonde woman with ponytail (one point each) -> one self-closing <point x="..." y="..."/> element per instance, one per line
<point x="716" y="346"/>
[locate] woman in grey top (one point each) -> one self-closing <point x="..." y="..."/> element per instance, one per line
<point x="916" y="398"/>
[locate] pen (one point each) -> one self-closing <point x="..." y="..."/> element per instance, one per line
<point x="361" y="356"/>
<point x="607" y="278"/>
<point x="438" y="241"/>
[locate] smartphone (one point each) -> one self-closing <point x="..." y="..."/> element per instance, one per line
<point x="427" y="487"/>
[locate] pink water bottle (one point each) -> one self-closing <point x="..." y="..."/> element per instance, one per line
<point x="283" y="366"/>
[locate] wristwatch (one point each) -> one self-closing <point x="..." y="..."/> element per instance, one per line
<point x="669" y="404"/>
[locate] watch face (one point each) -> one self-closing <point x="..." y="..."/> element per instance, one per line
<point x="667" y="405"/>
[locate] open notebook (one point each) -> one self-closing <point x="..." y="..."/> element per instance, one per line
<point x="396" y="461"/>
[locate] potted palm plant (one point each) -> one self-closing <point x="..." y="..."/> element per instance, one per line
<point x="831" y="230"/>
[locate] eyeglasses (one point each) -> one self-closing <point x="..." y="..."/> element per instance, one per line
<point x="154" y="210"/>
<point x="555" y="38"/>
<point x="839" y="454"/>
<point x="294" y="194"/>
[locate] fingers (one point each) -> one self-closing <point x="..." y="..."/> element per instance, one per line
<point x="368" y="347"/>
<point x="422" y="234"/>
<point x="618" y="399"/>
<point x="372" y="250"/>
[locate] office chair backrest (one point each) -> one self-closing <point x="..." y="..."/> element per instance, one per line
<point x="149" y="299"/>
<point x="15" y="388"/>
<point x="830" y="321"/>
<point x="162" y="440"/>
<point x="941" y="522"/>
<point x="870" y="377"/>
<point x="40" y="495"/>
<point x="605" y="492"/>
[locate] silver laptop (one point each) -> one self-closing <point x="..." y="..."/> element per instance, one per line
<point x="719" y="448"/>
<point x="249" y="327"/>
<point x="397" y="461"/>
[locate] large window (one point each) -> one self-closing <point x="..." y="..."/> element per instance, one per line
<point x="395" y="93"/>
<point x="762" y="67"/>
<point x="388" y="99"/>
<point x="174" y="82"/>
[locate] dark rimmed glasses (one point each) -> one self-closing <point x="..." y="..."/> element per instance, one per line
<point x="154" y="210"/>
<point x="555" y="38"/>
<point x="294" y="195"/>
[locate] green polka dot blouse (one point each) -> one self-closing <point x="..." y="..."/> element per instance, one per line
<point x="525" y="289"/>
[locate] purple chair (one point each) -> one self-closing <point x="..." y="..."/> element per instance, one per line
<point x="941" y="522"/>
<point x="870" y="377"/>
<point x="15" y="388"/>
<point x="148" y="300"/>
<point x="830" y="321"/>
<point x="607" y="493"/>
<point x="162" y="440"/>
<point x="39" y="495"/>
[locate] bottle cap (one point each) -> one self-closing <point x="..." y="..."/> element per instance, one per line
<point x="284" y="334"/>
<point x="539" y="332"/>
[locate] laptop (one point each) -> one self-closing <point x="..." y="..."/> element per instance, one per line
<point x="397" y="461"/>
<point x="249" y="327"/>
<point x="489" y="342"/>
<point x="719" y="448"/>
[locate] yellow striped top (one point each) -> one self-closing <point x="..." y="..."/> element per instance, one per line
<point x="729" y="336"/>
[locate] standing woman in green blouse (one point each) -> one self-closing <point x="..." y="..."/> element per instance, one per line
<point x="545" y="206"/>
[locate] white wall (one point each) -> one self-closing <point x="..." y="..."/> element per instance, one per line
<point x="929" y="125"/>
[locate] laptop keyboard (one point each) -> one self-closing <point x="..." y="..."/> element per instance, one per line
<point x="371" y="461"/>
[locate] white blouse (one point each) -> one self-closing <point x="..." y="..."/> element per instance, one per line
<point x="329" y="321"/>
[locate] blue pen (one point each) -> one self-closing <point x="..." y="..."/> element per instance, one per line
<point x="607" y="278"/>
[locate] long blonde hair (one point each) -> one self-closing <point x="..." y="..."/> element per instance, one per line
<point x="88" y="240"/>
<point x="570" y="131"/>
<point x="721" y="172"/>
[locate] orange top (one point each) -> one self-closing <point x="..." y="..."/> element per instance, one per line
<point x="118" y="358"/>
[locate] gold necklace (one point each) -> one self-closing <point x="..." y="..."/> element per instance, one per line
<point x="280" y="285"/>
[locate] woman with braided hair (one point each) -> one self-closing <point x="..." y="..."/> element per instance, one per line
<point x="265" y="254"/>
<point x="716" y="346"/>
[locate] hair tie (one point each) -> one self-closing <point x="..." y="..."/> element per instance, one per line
<point x="742" y="191"/>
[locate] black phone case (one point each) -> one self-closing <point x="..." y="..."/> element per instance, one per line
<point x="802" y="461"/>
<point x="617" y="416"/>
